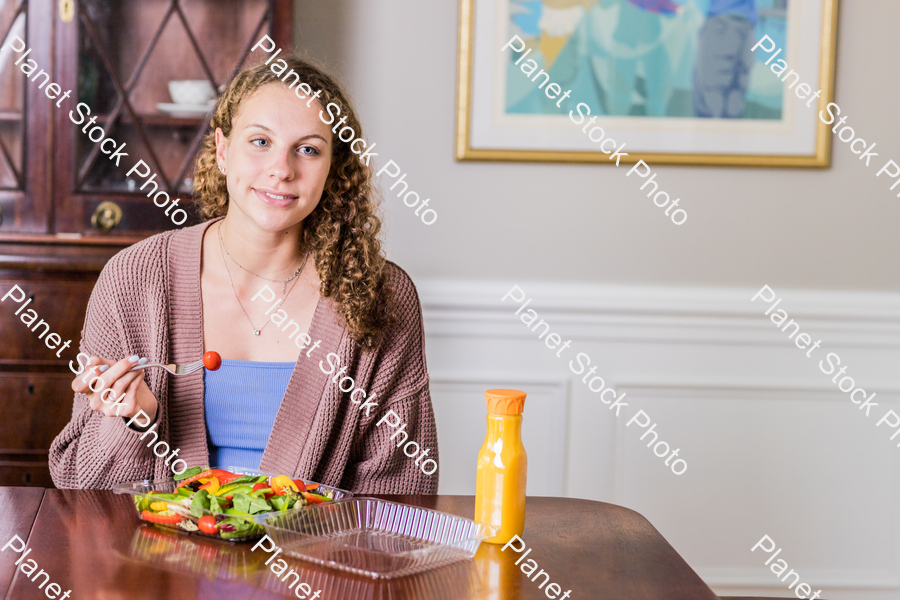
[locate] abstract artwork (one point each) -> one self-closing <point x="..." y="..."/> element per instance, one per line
<point x="677" y="80"/>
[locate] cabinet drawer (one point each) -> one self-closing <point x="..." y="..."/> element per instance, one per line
<point x="34" y="410"/>
<point x="35" y="474"/>
<point x="61" y="305"/>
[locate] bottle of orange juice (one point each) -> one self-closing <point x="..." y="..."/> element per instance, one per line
<point x="502" y="465"/>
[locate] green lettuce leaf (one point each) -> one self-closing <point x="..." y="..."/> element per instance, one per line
<point x="214" y="503"/>
<point x="242" y="528"/>
<point x="190" y="473"/>
<point x="249" y="504"/>
<point x="251" y="479"/>
<point x="200" y="501"/>
<point x="282" y="502"/>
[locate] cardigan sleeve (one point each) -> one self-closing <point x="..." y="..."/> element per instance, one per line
<point x="93" y="450"/>
<point x="408" y="463"/>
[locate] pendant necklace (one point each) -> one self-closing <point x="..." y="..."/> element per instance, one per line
<point x="284" y="291"/>
<point x="283" y="282"/>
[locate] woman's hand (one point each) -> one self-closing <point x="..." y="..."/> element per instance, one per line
<point x="105" y="382"/>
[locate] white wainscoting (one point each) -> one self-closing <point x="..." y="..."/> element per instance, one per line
<point x="773" y="448"/>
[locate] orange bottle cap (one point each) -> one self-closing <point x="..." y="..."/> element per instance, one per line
<point x="505" y="402"/>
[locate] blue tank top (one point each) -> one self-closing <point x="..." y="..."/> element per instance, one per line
<point x="241" y="400"/>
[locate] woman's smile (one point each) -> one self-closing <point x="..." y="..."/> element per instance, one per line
<point x="274" y="198"/>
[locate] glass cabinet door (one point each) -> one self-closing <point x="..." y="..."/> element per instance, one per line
<point x="14" y="188"/>
<point x="25" y="113"/>
<point x="12" y="98"/>
<point x="147" y="73"/>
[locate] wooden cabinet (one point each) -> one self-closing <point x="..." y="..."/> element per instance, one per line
<point x="58" y="303"/>
<point x="65" y="207"/>
<point x="34" y="402"/>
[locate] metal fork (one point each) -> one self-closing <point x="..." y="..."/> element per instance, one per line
<point x="175" y="369"/>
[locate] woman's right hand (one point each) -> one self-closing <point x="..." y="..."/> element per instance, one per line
<point x="111" y="380"/>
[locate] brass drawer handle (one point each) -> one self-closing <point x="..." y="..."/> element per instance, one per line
<point x="107" y="216"/>
<point x="66" y="10"/>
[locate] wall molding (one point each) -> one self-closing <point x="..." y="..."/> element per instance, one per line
<point x="661" y="313"/>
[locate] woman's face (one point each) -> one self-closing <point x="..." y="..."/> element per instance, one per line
<point x="277" y="158"/>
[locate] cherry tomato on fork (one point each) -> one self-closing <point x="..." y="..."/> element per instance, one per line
<point x="212" y="360"/>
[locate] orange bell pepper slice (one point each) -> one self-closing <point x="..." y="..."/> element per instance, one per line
<point x="212" y="486"/>
<point x="281" y="484"/>
<point x="314" y="498"/>
<point x="170" y="519"/>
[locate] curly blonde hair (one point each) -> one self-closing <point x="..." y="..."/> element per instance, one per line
<point x="343" y="230"/>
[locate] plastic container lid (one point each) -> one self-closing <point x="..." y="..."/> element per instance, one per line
<point x="375" y="538"/>
<point x="505" y="402"/>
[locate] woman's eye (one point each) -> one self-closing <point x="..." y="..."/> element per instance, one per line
<point x="309" y="150"/>
<point x="262" y="142"/>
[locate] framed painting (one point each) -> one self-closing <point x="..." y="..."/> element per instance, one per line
<point x="725" y="82"/>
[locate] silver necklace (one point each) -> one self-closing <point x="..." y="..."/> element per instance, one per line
<point x="283" y="282"/>
<point x="284" y="294"/>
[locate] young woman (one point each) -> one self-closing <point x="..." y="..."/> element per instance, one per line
<point x="290" y="221"/>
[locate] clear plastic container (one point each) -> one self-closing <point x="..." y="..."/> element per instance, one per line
<point x="375" y="538"/>
<point x="140" y="490"/>
<point x="207" y="558"/>
<point x="449" y="582"/>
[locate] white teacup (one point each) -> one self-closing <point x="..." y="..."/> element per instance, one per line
<point x="191" y="91"/>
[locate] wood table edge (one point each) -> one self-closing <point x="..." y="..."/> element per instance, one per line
<point x="6" y="582"/>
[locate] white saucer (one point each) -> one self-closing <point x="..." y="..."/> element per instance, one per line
<point x="185" y="110"/>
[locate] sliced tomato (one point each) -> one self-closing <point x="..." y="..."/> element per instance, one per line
<point x="208" y="525"/>
<point x="161" y="518"/>
<point x="261" y="486"/>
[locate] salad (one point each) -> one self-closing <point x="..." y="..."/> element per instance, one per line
<point x="222" y="504"/>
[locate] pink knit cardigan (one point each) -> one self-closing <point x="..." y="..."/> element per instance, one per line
<point x="147" y="302"/>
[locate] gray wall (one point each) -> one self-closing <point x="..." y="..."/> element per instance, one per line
<point x="799" y="228"/>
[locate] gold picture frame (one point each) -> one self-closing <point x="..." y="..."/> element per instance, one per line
<point x="819" y="158"/>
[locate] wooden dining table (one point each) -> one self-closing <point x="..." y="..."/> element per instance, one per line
<point x="91" y="543"/>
